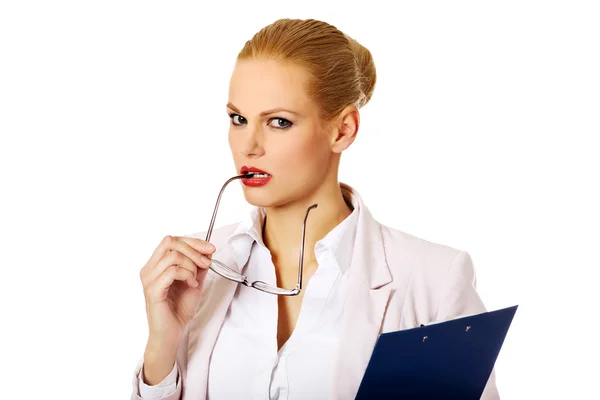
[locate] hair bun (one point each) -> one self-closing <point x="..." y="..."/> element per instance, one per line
<point x="366" y="70"/>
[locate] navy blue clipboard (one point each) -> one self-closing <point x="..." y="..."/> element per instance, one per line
<point x="446" y="360"/>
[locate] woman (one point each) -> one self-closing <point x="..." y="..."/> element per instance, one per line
<point x="309" y="329"/>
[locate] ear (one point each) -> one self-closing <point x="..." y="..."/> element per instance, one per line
<point x="345" y="129"/>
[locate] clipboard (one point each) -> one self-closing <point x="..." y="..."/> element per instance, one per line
<point x="446" y="360"/>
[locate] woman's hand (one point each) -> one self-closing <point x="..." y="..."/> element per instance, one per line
<point x="172" y="279"/>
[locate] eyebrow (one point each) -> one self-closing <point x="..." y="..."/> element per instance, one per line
<point x="267" y="112"/>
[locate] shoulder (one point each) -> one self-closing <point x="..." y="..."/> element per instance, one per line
<point x="404" y="247"/>
<point x="403" y="251"/>
<point x="435" y="280"/>
<point x="431" y="266"/>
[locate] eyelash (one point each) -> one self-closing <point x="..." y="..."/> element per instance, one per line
<point x="288" y="122"/>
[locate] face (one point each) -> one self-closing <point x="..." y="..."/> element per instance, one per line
<point x="275" y="128"/>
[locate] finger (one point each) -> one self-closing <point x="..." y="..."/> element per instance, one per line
<point x="176" y="243"/>
<point x="172" y="258"/>
<point x="176" y="274"/>
<point x="200" y="245"/>
<point x="198" y="255"/>
<point x="160" y="287"/>
<point x="162" y="248"/>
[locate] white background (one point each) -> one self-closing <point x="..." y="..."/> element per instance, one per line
<point x="481" y="134"/>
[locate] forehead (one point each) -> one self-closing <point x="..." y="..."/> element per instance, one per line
<point x="257" y="85"/>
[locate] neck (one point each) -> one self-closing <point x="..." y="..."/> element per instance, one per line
<point x="282" y="232"/>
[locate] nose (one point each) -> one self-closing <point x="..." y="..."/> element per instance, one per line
<point x="252" y="141"/>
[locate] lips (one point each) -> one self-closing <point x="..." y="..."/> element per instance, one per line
<point x="257" y="173"/>
<point x="257" y="177"/>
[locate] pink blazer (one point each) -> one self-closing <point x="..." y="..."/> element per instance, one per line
<point x="397" y="281"/>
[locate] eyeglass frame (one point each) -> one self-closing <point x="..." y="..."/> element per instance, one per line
<point x="244" y="280"/>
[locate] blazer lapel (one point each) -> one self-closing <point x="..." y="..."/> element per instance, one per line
<point x="205" y="327"/>
<point x="363" y="314"/>
<point x="368" y="293"/>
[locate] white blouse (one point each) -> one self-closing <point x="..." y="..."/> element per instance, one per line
<point x="245" y="362"/>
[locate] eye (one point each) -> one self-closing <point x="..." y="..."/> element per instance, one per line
<point x="282" y="123"/>
<point x="237" y="119"/>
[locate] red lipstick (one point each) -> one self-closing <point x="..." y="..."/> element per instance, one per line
<point x="259" y="177"/>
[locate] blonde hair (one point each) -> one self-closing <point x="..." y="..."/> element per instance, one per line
<point x="341" y="71"/>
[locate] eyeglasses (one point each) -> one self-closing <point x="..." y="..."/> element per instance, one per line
<point x="229" y="273"/>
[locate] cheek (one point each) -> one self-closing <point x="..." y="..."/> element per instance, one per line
<point x="234" y="143"/>
<point x="310" y="155"/>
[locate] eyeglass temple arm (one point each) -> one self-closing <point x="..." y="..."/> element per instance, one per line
<point x="301" y="262"/>
<point x="214" y="216"/>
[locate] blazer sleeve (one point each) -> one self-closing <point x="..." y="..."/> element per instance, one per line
<point x="168" y="389"/>
<point x="460" y="298"/>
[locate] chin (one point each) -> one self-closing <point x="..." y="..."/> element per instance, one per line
<point x="258" y="197"/>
